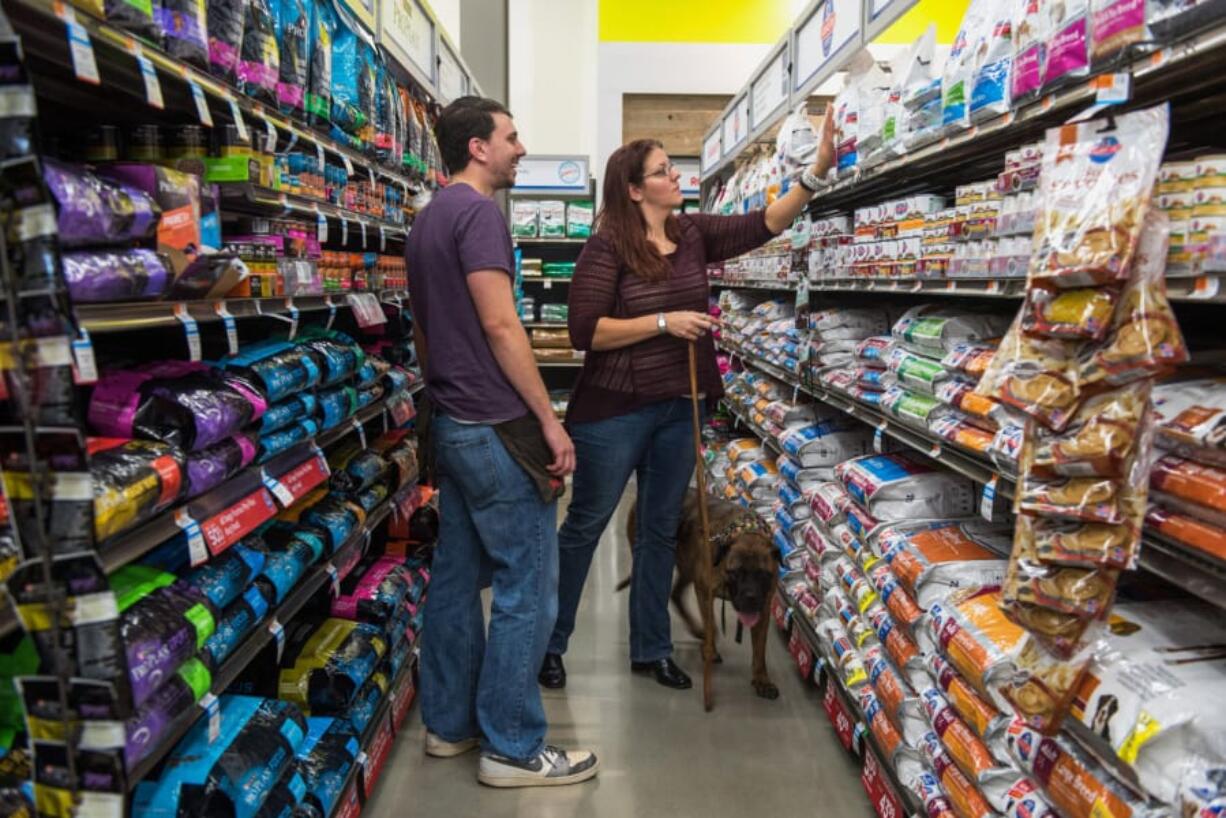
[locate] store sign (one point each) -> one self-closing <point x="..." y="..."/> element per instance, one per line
<point x="711" y="150"/>
<point x="690" y="175"/>
<point x="569" y="174"/>
<point x="880" y="794"/>
<point x="770" y="89"/>
<point x="451" y="81"/>
<point x="408" y="32"/>
<point x="819" y="39"/>
<point x="736" y="126"/>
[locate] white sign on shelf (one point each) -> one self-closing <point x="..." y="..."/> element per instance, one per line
<point x="770" y="89"/>
<point x="406" y="29"/>
<point x="736" y="125"/>
<point x="711" y="150"/>
<point x="565" y="174"/>
<point x="833" y="25"/>
<point x="690" y="175"/>
<point x="451" y="81"/>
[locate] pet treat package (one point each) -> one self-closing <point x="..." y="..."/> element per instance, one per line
<point x="133" y="480"/>
<point x="185" y="404"/>
<point x="92" y="210"/>
<point x="259" y="60"/>
<point x="232" y="774"/>
<point x="184" y="27"/>
<point x="293" y="23"/>
<point x="325" y="664"/>
<point x="226" y="21"/>
<point x="115" y="275"/>
<point x="579" y="218"/>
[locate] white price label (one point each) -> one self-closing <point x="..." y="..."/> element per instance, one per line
<point x="240" y="124"/>
<point x="278" y="635"/>
<point x="212" y="706"/>
<point x="344" y="230"/>
<point x="270" y="136"/>
<point x="196" y="547"/>
<point x="322" y="222"/>
<point x="878" y="441"/>
<point x="987" y="500"/>
<point x="319" y="156"/>
<point x="935" y="451"/>
<point x="85" y="366"/>
<point x="382" y="239"/>
<point x="190" y="330"/>
<point x="84" y="64"/>
<point x="361" y="432"/>
<point x="293" y="318"/>
<point x="348" y="164"/>
<point x="334" y="578"/>
<point x="202" y="105"/>
<point x="284" y="496"/>
<point x="331" y="311"/>
<point x="363" y="761"/>
<point x="153" y="88"/>
<point x="362" y="224"/>
<point x="223" y="312"/>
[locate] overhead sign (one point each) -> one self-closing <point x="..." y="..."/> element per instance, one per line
<point x="567" y="174"/>
<point x="711" y="150"/>
<point x="408" y="32"/>
<point x="770" y="89"/>
<point x="736" y="125"/>
<point x="820" y="39"/>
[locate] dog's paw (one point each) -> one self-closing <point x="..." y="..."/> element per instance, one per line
<point x="766" y="690"/>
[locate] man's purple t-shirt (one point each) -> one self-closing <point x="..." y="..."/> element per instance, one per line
<point x="458" y="233"/>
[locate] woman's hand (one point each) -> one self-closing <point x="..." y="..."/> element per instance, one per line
<point x="825" y="146"/>
<point x="687" y="325"/>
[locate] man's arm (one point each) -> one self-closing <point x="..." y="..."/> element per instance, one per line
<point x="495" y="303"/>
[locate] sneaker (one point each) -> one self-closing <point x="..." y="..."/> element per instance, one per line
<point x="551" y="767"/>
<point x="441" y="748"/>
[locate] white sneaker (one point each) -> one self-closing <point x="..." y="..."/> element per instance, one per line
<point x="551" y="767"/>
<point x="441" y="748"/>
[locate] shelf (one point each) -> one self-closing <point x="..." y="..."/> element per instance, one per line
<point x="758" y="431"/>
<point x="574" y="364"/>
<point x="262" y="636"/>
<point x="1011" y="288"/>
<point x="46" y="50"/>
<point x="547" y="242"/>
<point x="251" y="198"/>
<point x="545" y="325"/>
<point x="132" y="315"/>
<point x="1194" y="571"/>
<point x="774" y="286"/>
<point x="546" y="280"/>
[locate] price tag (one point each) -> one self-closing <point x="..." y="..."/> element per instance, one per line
<point x="84" y="64"/>
<point x="1047" y="103"/>
<point x="191" y="330"/>
<point x="348" y="164"/>
<point x="293" y="318"/>
<point x="344" y="230"/>
<point x="360" y="428"/>
<point x="382" y="239"/>
<point x="935" y="451"/>
<point x="240" y="124"/>
<point x="319" y="155"/>
<point x="153" y="88"/>
<point x="987" y="500"/>
<point x="331" y="311"/>
<point x="202" y="104"/>
<point x="223" y="312"/>
<point x="195" y="540"/>
<point x="548" y="285"/>
<point x="917" y="286"/>
<point x="278" y="489"/>
<point x="1205" y="287"/>
<point x="210" y="704"/>
<point x="278" y="634"/>
<point x="878" y="440"/>
<point x="321" y="222"/>
<point x="363" y="761"/>
<point x="334" y="578"/>
<point x="362" y="224"/>
<point x="1112" y="89"/>
<point x="85" y="367"/>
<point x="270" y="136"/>
<point x="1158" y="58"/>
<point x="993" y="286"/>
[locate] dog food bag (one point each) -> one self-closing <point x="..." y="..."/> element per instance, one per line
<point x="133" y="480"/>
<point x="208" y="469"/>
<point x="794" y="502"/>
<point x="1191" y="418"/>
<point x="990" y="86"/>
<point x="987" y="722"/>
<point x="282" y="414"/>
<point x="802" y="478"/>
<point x="888" y="738"/>
<point x="970" y="359"/>
<point x="973" y="633"/>
<point x="892" y="690"/>
<point x="759" y="479"/>
<point x="226" y="20"/>
<point x="1068" y="41"/>
<point x="928" y="790"/>
<point x="902" y="649"/>
<point x="148" y="725"/>
<point x="278" y="368"/>
<point x="325" y="757"/>
<point x="967" y="801"/>
<point x="1190" y="488"/>
<point x="934" y="330"/>
<point x="325" y="665"/>
<point x="1095" y="190"/>
<point x="96" y="211"/>
<point x="237" y="622"/>
<point x="224" y="577"/>
<point x="893" y="487"/>
<point x="838" y="645"/>
<point x="744" y="450"/>
<point x="933" y="559"/>
<point x="916" y="372"/>
<point x="1024" y="800"/>
<point x="230" y="775"/>
<point x="1146" y="688"/>
<point x="1029" y="39"/>
<point x="966" y="749"/>
<point x="184" y="28"/>
<point x="900" y="605"/>
<point x="1071" y="781"/>
<point x="1189" y="531"/>
<point x="858" y="630"/>
<point x="293" y="22"/>
<point x="95" y="276"/>
<point x="789" y="415"/>
<point x="957" y="80"/>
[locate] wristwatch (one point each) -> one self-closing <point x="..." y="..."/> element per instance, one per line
<point x="661" y="323"/>
<point x="810" y="182"/>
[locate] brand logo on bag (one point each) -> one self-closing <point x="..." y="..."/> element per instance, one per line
<point x="1105" y="150"/>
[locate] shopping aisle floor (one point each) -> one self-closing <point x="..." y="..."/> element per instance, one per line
<point x="661" y="755"/>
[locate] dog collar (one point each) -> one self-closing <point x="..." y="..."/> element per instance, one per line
<point x="745" y="523"/>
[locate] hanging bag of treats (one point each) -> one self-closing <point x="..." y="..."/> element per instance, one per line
<point x="294" y="39"/>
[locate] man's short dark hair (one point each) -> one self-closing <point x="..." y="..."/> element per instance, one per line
<point x="462" y="120"/>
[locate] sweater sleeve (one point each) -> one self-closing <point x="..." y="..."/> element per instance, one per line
<point x="593" y="291"/>
<point x="726" y="237"/>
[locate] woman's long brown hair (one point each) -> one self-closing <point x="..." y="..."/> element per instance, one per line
<point x="621" y="221"/>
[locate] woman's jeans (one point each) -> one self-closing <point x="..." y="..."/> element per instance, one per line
<point x="655" y="443"/>
<point x="492" y="526"/>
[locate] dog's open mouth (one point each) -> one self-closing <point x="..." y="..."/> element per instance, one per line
<point x="750" y="619"/>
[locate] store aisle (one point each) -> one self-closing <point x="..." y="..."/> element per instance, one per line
<point x="661" y="755"/>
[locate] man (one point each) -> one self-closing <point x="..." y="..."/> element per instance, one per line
<point x="501" y="455"/>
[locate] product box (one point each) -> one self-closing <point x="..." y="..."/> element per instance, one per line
<point x="553" y="219"/>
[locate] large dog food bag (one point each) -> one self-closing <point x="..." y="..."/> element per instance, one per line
<point x="326" y="664"/>
<point x="893" y="487"/>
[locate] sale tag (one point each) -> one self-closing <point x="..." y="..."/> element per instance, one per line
<point x="84" y="64"/>
<point x="212" y="706"/>
<point x="240" y="124"/>
<point x="987" y="500"/>
<point x="344" y="230"/>
<point x="1112" y="89"/>
<point x="190" y="330"/>
<point x="202" y="105"/>
<point x="196" y="548"/>
<point x="293" y="318"/>
<point x="227" y="319"/>
<point x="278" y="635"/>
<point x="85" y="366"/>
<point x="278" y="489"/>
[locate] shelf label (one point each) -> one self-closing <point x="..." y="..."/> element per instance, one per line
<point x="331" y="305"/>
<point x="240" y="124"/>
<point x="360" y="429"/>
<point x="334" y="579"/>
<point x="293" y="318"/>
<point x="319" y="156"/>
<point x="153" y="87"/>
<point x="878" y="440"/>
<point x="295" y="483"/>
<point x="223" y="312"/>
<point x="212" y="706"/>
<point x="344" y="230"/>
<point x="935" y="451"/>
<point x="382" y="239"/>
<point x="987" y="500"/>
<point x="227" y="527"/>
<point x="196" y="548"/>
<point x="270" y="136"/>
<point x="880" y="794"/>
<point x="190" y="330"/>
<point x="278" y="634"/>
<point x="1205" y="287"/>
<point x="832" y="702"/>
<point x="366" y="309"/>
<point x="202" y="105"/>
<point x="362" y="224"/>
<point x="84" y="64"/>
<point x="84" y="365"/>
<point x="347" y="163"/>
<point x="779" y="610"/>
<point x="770" y="90"/>
<point x="1112" y="89"/>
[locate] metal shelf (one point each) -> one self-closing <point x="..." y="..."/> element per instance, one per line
<point x="539" y="242"/>
<point x="574" y="364"/>
<point x="1196" y="572"/>
<point x="545" y="325"/>
<point x="1010" y="288"/>
<point x="132" y="315"/>
<point x="252" y="198"/>
<point x="758" y="431"/>
<point x="262" y="636"/>
<point x="774" y="286"/>
<point x="546" y="279"/>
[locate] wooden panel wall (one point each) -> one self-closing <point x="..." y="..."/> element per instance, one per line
<point x="677" y="120"/>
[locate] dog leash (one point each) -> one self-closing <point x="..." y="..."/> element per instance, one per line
<point x="708" y="604"/>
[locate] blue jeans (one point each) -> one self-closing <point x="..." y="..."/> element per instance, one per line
<point x="492" y="524"/>
<point x="655" y="443"/>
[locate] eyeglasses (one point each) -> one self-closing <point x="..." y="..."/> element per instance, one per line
<point x="663" y="172"/>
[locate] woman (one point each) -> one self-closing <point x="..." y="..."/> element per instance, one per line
<point x="638" y="297"/>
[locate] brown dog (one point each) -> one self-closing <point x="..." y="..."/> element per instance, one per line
<point x="740" y="564"/>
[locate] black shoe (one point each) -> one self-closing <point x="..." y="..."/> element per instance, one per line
<point x="666" y="672"/>
<point x="553" y="674"/>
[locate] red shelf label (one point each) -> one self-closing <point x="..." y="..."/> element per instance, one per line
<point x="802" y="653"/>
<point x="350" y="805"/>
<point x="880" y="794"/>
<point x="779" y="610"/>
<point x="844" y="724"/>
<point x="404" y="701"/>
<point x="305" y="476"/>
<point x="380" y="749"/>
<point x="224" y="529"/>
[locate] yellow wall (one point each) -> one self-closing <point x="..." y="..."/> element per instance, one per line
<point x="750" y="21"/>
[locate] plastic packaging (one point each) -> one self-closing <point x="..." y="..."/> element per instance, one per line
<point x="184" y="27"/>
<point x="319" y="80"/>
<point x="990" y="86"/>
<point x="208" y="469"/>
<point x="294" y="41"/>
<point x="133" y="480"/>
<point x="120" y="275"/>
<point x="226" y="20"/>
<point x="94" y="211"/>
<point x="325" y="665"/>
<point x="259" y="60"/>
<point x="1068" y="41"/>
